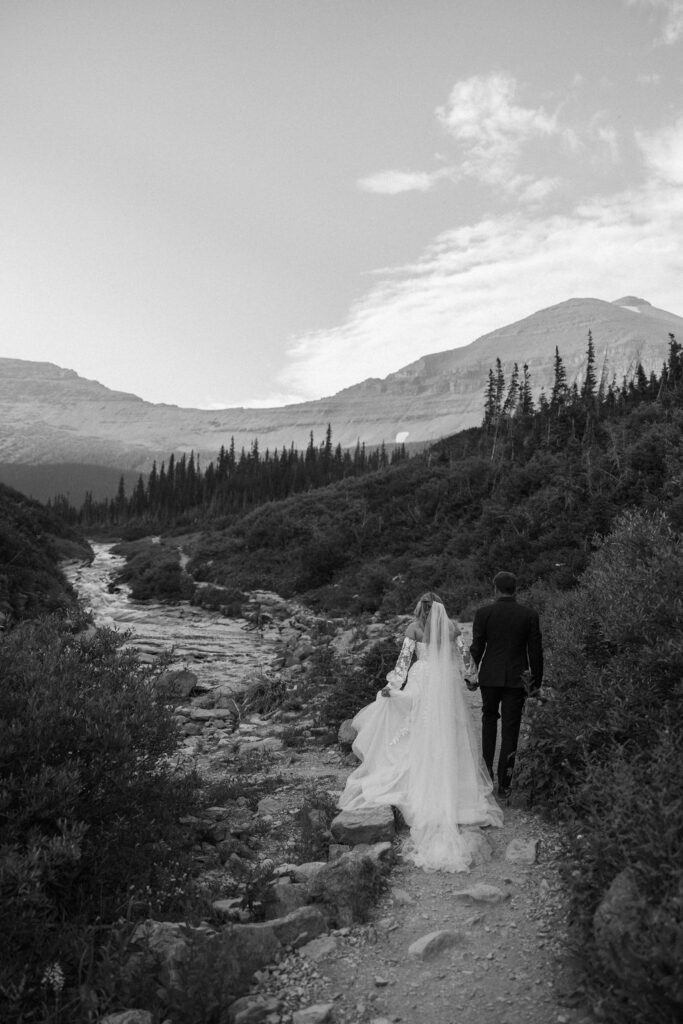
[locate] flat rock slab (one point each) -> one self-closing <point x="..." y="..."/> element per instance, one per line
<point x="430" y="945"/>
<point x="522" y="851"/>
<point x="373" y="825"/>
<point x="318" y="949"/>
<point x="482" y="893"/>
<point x="318" y="1014"/>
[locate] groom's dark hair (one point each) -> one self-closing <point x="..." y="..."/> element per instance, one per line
<point x="505" y="582"/>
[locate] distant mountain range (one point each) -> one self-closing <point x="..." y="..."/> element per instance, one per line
<point x="51" y="416"/>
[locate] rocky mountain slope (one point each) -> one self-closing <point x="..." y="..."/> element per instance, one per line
<point x="51" y="415"/>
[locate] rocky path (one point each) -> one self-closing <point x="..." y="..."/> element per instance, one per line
<point x="487" y="947"/>
<point x="499" y="955"/>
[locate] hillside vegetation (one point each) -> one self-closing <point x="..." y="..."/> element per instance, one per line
<point x="33" y="540"/>
<point x="581" y="495"/>
<point x="528" y="491"/>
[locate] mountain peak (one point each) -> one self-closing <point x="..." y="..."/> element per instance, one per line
<point x="630" y="301"/>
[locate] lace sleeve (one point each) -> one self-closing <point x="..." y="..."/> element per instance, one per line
<point x="468" y="660"/>
<point x="397" y="677"/>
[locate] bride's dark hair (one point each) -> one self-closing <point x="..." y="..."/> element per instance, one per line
<point x="424" y="604"/>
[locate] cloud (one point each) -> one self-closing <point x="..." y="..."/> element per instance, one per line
<point x="476" y="278"/>
<point x="391" y="183"/>
<point x="663" y="152"/>
<point x="672" y="11"/>
<point x="490" y="127"/>
<point x="490" y="133"/>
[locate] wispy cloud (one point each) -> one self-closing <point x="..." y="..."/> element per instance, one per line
<point x="672" y="13"/>
<point x="489" y="133"/>
<point x="476" y="278"/>
<point x="491" y="128"/>
<point x="392" y="183"/>
<point x="663" y="152"/>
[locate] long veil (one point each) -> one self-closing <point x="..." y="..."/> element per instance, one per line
<point x="449" y="785"/>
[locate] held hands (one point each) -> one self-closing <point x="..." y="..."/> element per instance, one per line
<point x="471" y="684"/>
<point x="386" y="692"/>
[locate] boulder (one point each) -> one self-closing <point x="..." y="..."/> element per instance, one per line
<point x="253" y="947"/>
<point x="175" y="684"/>
<point x="618" y="920"/>
<point x="522" y="851"/>
<point x="481" y="893"/>
<point x="318" y="1014"/>
<point x="347" y="733"/>
<point x="371" y="825"/>
<point x="430" y="945"/>
<point x="348" y="887"/>
<point x="284" y="896"/>
<point x="299" y="927"/>
<point x="255" y="1009"/>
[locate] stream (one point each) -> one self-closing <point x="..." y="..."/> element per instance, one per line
<point x="219" y="650"/>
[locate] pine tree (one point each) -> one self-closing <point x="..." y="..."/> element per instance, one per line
<point x="526" y="401"/>
<point x="589" y="386"/>
<point x="559" y="393"/>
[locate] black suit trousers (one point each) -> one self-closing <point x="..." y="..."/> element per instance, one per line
<point x="510" y="701"/>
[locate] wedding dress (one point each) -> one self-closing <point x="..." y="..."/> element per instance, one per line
<point x="419" y="753"/>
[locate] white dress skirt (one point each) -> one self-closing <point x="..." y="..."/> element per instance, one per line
<point x="425" y="761"/>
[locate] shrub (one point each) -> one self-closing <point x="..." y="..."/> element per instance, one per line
<point x="153" y="571"/>
<point x="89" y="806"/>
<point x="227" y="600"/>
<point x="314" y="820"/>
<point x="604" y="754"/>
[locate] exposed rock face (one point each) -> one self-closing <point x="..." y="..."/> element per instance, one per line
<point x="51" y="415"/>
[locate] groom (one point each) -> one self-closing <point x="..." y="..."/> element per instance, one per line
<point x="506" y="643"/>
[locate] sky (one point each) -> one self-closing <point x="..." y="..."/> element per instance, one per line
<point x="224" y="203"/>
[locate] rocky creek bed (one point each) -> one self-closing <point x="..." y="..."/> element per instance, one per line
<point x="356" y="935"/>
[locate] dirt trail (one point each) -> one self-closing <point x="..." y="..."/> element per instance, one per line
<point x="508" y="965"/>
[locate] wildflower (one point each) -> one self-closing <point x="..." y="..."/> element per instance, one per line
<point x="53" y="975"/>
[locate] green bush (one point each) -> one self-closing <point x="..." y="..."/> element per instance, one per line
<point x="604" y="754"/>
<point x="227" y="600"/>
<point x="153" y="571"/>
<point x="89" y="805"/>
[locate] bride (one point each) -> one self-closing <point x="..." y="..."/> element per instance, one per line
<point x="419" y="749"/>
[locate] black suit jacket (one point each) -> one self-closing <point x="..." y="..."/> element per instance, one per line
<point x="506" y="640"/>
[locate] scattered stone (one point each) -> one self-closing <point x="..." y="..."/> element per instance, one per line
<point x="432" y="944"/>
<point x="403" y="898"/>
<point x="482" y="893"/>
<point x="318" y="949"/>
<point x="254" y="1009"/>
<point x="522" y="851"/>
<point x="299" y="927"/>
<point x="175" y="684"/>
<point x="268" y="805"/>
<point x="618" y="921"/>
<point x="318" y="1014"/>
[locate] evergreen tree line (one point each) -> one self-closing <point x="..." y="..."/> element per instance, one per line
<point x="572" y="411"/>
<point x="231" y="485"/>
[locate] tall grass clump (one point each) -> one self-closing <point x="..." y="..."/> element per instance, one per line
<point x="604" y="755"/>
<point x="89" y="811"/>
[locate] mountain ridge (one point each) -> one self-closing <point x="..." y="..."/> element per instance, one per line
<point x="49" y="414"/>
